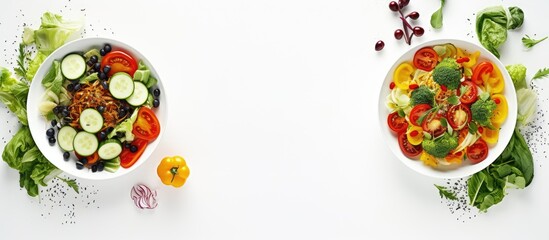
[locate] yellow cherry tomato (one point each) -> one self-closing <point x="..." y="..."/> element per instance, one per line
<point x="494" y="82"/>
<point x="403" y="75"/>
<point x="428" y="159"/>
<point x="500" y="113"/>
<point x="490" y="136"/>
<point x="415" y="135"/>
<point x="173" y="171"/>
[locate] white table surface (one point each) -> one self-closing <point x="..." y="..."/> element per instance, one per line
<point x="273" y="104"/>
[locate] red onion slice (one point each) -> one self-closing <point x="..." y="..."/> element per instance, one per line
<point x="143" y="197"/>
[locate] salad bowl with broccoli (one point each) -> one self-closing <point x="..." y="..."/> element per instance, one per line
<point x="444" y="107"/>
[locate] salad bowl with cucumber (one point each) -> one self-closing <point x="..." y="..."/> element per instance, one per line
<point x="96" y="108"/>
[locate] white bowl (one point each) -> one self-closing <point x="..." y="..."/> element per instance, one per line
<point x="466" y="168"/>
<point x="38" y="124"/>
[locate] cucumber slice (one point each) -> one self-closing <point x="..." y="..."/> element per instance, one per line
<point x="109" y="149"/>
<point x="121" y="85"/>
<point x="73" y="66"/>
<point x="139" y="95"/>
<point x="91" y="120"/>
<point x="85" y="143"/>
<point x="65" y="138"/>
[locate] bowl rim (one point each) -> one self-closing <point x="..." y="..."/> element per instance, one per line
<point x="33" y="100"/>
<point x="462" y="170"/>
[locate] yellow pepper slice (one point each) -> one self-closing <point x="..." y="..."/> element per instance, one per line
<point x="455" y="157"/>
<point x="415" y="135"/>
<point x="403" y="75"/>
<point x="490" y="136"/>
<point x="500" y="113"/>
<point x="173" y="171"/>
<point x="472" y="60"/>
<point x="494" y="81"/>
<point x="428" y="159"/>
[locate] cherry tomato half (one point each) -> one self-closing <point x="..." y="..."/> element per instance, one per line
<point x="469" y="96"/>
<point x="458" y="116"/>
<point x="128" y="158"/>
<point x="478" y="151"/>
<point x="481" y="72"/>
<point x="426" y="59"/>
<point x="397" y="123"/>
<point x="146" y="125"/>
<point x="407" y="148"/>
<point x="417" y="112"/>
<point x="433" y="125"/>
<point x="120" y="62"/>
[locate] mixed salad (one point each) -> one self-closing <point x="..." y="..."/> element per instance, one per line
<point x="100" y="104"/>
<point x="447" y="106"/>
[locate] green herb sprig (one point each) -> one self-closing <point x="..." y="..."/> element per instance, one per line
<point x="529" y="42"/>
<point x="541" y="73"/>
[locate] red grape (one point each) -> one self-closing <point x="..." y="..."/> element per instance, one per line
<point x="399" y="33"/>
<point x="418" y="31"/>
<point x="414" y="15"/>
<point x="379" y="45"/>
<point x="393" y="6"/>
<point x="403" y="3"/>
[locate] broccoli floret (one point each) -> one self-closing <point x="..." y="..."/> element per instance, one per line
<point x="440" y="147"/>
<point x="447" y="73"/>
<point x="422" y="95"/>
<point x="482" y="110"/>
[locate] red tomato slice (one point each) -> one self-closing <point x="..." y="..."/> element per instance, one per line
<point x="119" y="62"/>
<point x="470" y="96"/>
<point x="482" y="70"/>
<point x="146" y="125"/>
<point x="397" y="123"/>
<point x="417" y="112"/>
<point x="478" y="151"/>
<point x="127" y="158"/>
<point x="426" y="59"/>
<point x="433" y="125"/>
<point x="458" y="116"/>
<point x="407" y="148"/>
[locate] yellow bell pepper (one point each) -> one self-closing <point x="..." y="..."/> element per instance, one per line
<point x="500" y="113"/>
<point x="403" y="75"/>
<point x="173" y="171"/>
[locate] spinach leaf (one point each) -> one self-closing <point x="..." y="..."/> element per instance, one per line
<point x="491" y="28"/>
<point x="436" y="18"/>
<point x="517" y="18"/>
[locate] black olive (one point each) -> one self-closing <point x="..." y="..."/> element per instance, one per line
<point x="66" y="156"/>
<point x="94" y="168"/>
<point x="102" y="136"/>
<point x="122" y="112"/>
<point x="105" y="85"/>
<point x="106" y="69"/>
<point x="53" y="123"/>
<point x="156" y="92"/>
<point x="102" y="76"/>
<point x="70" y="87"/>
<point x="65" y="112"/>
<point x="107" y="48"/>
<point x="100" y="109"/>
<point x="133" y="148"/>
<point x="89" y="63"/>
<point x="109" y="130"/>
<point x="100" y="166"/>
<point x="77" y="87"/>
<point x="50" y="132"/>
<point x="127" y="144"/>
<point x="94" y="59"/>
<point x="156" y="102"/>
<point x="79" y="165"/>
<point x="120" y="134"/>
<point x="83" y="161"/>
<point x="51" y="140"/>
<point x="97" y="67"/>
<point x="102" y="52"/>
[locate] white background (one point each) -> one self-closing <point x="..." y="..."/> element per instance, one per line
<point x="273" y="104"/>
